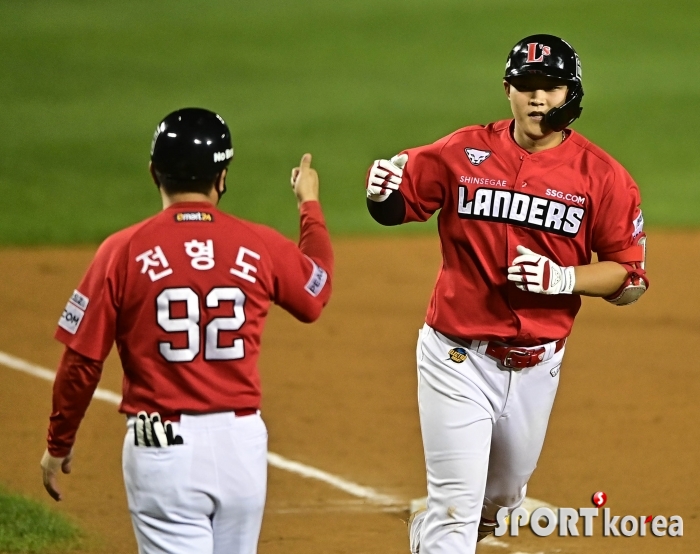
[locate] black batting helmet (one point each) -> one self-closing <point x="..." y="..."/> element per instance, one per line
<point x="191" y="144"/>
<point x="552" y="57"/>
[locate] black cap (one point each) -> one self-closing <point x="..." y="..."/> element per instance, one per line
<point x="191" y="144"/>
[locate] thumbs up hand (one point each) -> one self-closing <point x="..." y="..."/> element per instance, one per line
<point x="385" y="177"/>
<point x="305" y="180"/>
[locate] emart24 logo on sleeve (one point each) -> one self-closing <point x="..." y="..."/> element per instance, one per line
<point x="587" y="522"/>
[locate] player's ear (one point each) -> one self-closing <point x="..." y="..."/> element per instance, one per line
<point x="221" y="184"/>
<point x="506" y="87"/>
<point x="153" y="174"/>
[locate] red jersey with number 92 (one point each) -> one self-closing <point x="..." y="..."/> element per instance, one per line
<point x="184" y="294"/>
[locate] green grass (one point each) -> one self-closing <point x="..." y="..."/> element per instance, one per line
<point x="29" y="527"/>
<point x="84" y="82"/>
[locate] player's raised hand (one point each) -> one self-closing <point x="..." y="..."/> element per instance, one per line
<point x="385" y="177"/>
<point x="50" y="466"/>
<point x="305" y="180"/>
<point x="536" y="273"/>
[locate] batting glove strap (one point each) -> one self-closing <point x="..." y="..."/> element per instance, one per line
<point x="384" y="177"/>
<point x="536" y="273"/>
<point x="152" y="431"/>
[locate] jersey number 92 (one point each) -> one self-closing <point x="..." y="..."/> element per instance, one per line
<point x="190" y="324"/>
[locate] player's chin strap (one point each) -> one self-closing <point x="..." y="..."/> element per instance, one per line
<point x="636" y="283"/>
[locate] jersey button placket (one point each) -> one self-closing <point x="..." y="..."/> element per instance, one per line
<point x="512" y="239"/>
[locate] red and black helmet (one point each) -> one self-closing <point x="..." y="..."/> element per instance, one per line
<point x="553" y="57"/>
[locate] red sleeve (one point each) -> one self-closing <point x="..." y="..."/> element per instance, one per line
<point x="314" y="240"/>
<point x="302" y="274"/>
<point x="88" y="323"/>
<point x="619" y="221"/>
<point x="75" y="383"/>
<point x="424" y="181"/>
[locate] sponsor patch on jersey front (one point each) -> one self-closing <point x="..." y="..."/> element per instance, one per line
<point x="317" y="281"/>
<point x="194" y="216"/>
<point x="476" y="156"/>
<point x="483" y="181"/>
<point x="74" y="312"/>
<point x="458" y="355"/>
<point x="516" y="208"/>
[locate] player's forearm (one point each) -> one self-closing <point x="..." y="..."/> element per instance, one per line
<point x="314" y="240"/>
<point x="75" y="383"/>
<point x="599" y="279"/>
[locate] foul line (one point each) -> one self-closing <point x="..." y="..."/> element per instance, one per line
<point x="275" y="460"/>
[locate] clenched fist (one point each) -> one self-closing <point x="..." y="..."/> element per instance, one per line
<point x="385" y="177"/>
<point x="536" y="273"/>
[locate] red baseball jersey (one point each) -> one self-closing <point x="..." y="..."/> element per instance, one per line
<point x="184" y="295"/>
<point x="564" y="203"/>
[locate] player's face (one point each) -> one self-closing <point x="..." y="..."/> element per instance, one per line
<point x="531" y="98"/>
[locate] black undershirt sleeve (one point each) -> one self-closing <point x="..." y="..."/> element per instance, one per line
<point x="390" y="212"/>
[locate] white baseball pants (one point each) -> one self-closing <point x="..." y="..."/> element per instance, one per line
<point x="205" y="496"/>
<point x="483" y="428"/>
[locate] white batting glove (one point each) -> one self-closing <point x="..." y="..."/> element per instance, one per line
<point x="152" y="431"/>
<point x="385" y="177"/>
<point x="50" y="466"/>
<point x="536" y="273"/>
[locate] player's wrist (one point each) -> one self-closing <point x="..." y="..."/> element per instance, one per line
<point x="58" y="451"/>
<point x="568" y="280"/>
<point x="306" y="200"/>
<point x="378" y="197"/>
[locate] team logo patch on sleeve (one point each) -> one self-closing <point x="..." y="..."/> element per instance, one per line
<point x="74" y="312"/>
<point x="194" y="216"/>
<point x="638" y="224"/>
<point x="458" y="355"/>
<point x="317" y="281"/>
<point x="80" y="300"/>
<point x="476" y="156"/>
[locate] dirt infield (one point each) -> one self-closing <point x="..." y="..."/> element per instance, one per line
<point x="340" y="396"/>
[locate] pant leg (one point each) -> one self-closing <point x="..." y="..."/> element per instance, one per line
<point x="518" y="435"/>
<point x="456" y="405"/>
<point x="168" y="513"/>
<point x="242" y="474"/>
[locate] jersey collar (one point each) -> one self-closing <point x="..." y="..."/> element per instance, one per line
<point x="549" y="158"/>
<point x="206" y="206"/>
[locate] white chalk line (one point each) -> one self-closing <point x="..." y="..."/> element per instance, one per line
<point x="275" y="460"/>
<point x="390" y="503"/>
<point x="358" y="505"/>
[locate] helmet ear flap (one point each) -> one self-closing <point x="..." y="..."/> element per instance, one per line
<point x="560" y="118"/>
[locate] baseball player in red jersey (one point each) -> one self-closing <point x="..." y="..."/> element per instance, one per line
<point x="523" y="204"/>
<point x="184" y="294"/>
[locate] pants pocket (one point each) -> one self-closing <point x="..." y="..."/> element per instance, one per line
<point x="156" y="479"/>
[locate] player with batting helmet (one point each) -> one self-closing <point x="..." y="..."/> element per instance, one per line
<point x="184" y="294"/>
<point x="522" y="205"/>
